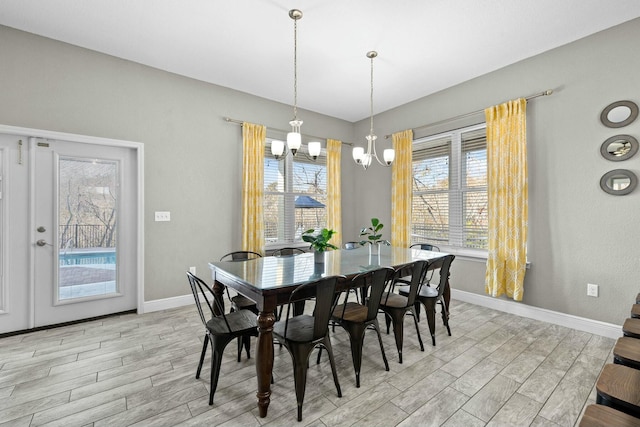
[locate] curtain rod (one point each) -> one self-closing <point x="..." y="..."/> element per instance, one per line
<point x="473" y="113"/>
<point x="240" y="122"/>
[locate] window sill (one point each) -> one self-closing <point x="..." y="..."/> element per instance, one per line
<point x="475" y="255"/>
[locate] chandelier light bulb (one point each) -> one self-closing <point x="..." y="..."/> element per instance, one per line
<point x="358" y="154"/>
<point x="277" y="148"/>
<point x="294" y="140"/>
<point x="389" y="156"/>
<point x="314" y="149"/>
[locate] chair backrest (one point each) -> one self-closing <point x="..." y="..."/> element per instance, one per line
<point x="426" y="247"/>
<point x="374" y="283"/>
<point x="201" y="291"/>
<point x="240" y="256"/>
<point x="288" y="251"/>
<point x="444" y="273"/>
<point x="323" y="291"/>
<point x="418" y="272"/>
<point x="352" y="245"/>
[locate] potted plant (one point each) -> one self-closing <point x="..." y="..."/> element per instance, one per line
<point x="319" y="242"/>
<point x="374" y="236"/>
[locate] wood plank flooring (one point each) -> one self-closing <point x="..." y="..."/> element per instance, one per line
<point x="496" y="370"/>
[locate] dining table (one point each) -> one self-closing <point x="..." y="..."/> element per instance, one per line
<point x="270" y="280"/>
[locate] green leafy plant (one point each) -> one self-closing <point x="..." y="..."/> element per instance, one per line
<point x="373" y="233"/>
<point x="319" y="241"/>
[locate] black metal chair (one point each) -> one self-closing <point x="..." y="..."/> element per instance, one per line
<point x="301" y="334"/>
<point x="395" y="306"/>
<point x="220" y="330"/>
<point x="239" y="301"/>
<point x="352" y="245"/>
<point x="426" y="247"/>
<point x="403" y="284"/>
<point x="355" y="318"/>
<point x="287" y="251"/>
<point x="430" y="297"/>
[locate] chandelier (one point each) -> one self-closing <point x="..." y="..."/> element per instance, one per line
<point x="359" y="155"/>
<point x="294" y="138"/>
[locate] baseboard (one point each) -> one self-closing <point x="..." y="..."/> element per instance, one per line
<point x="570" y="321"/>
<point x="580" y="323"/>
<point x="167" y="303"/>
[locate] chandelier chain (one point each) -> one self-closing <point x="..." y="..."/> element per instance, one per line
<point x="371" y="98"/>
<point x="295" y="69"/>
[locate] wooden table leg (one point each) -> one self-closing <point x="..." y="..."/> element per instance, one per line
<point x="218" y="294"/>
<point x="264" y="359"/>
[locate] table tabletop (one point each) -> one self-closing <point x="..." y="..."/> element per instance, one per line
<point x="271" y="273"/>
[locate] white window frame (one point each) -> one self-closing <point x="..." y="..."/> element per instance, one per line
<point x="287" y="233"/>
<point x="456" y="195"/>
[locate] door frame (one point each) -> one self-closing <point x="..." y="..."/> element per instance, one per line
<point x="138" y="148"/>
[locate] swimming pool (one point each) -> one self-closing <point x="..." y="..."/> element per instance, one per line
<point x="88" y="258"/>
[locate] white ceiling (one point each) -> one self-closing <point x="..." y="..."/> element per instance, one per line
<point x="424" y="46"/>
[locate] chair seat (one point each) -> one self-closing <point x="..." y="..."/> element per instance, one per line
<point x="635" y="310"/>
<point x="631" y="328"/>
<point x="619" y="387"/>
<point x="425" y="291"/>
<point x="627" y="352"/>
<point x="240" y="322"/>
<point x="241" y="301"/>
<point x="604" y="416"/>
<point x="352" y="312"/>
<point x="300" y="329"/>
<point x="428" y="292"/>
<point x="394" y="300"/>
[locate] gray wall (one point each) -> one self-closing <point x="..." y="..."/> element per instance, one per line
<point x="192" y="156"/>
<point x="578" y="234"/>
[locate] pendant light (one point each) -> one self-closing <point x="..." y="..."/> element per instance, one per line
<point x="359" y="156"/>
<point x="294" y="138"/>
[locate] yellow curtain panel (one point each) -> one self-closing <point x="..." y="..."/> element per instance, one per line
<point x="507" y="198"/>
<point x="401" y="189"/>
<point x="334" y="208"/>
<point x="253" y="140"/>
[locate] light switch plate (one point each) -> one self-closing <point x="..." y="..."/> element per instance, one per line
<point x="163" y="216"/>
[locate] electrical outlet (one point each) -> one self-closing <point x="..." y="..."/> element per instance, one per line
<point x="592" y="290"/>
<point x="192" y="270"/>
<point x="163" y="216"/>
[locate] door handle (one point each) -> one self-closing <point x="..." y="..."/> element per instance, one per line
<point x="43" y="242"/>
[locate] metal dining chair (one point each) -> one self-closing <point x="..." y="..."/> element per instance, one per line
<point x="402" y="285"/>
<point x="356" y="318"/>
<point x="301" y="334"/>
<point x="239" y="301"/>
<point x="288" y="252"/>
<point x="220" y="329"/>
<point x="396" y="306"/>
<point x="430" y="297"/>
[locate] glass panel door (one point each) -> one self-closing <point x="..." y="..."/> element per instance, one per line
<point x="87" y="227"/>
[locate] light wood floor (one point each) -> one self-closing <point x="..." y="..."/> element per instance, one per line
<point x="497" y="369"/>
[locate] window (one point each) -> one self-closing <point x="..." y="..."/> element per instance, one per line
<point x="295" y="196"/>
<point x="449" y="206"/>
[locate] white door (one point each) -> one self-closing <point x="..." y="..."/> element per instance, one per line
<point x="78" y="243"/>
<point x="15" y="310"/>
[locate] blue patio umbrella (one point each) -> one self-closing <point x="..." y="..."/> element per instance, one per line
<point x="307" y="202"/>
